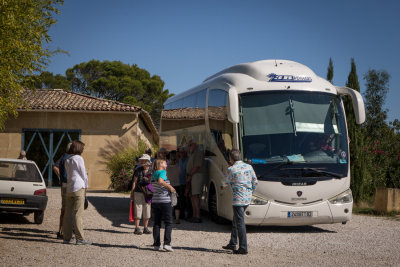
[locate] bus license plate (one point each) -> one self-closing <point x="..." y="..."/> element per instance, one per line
<point x="13" y="201"/>
<point x="299" y="214"/>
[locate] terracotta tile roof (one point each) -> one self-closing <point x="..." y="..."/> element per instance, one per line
<point x="58" y="99"/>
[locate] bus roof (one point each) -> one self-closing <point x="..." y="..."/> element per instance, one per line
<point x="263" y="75"/>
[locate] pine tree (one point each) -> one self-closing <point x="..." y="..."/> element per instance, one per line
<point x="357" y="162"/>
<point x="329" y="75"/>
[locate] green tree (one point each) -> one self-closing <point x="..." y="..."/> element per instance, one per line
<point x="24" y="27"/>
<point x="329" y="75"/>
<point x="375" y="95"/>
<point x="358" y="172"/>
<point x="47" y="80"/>
<point x="120" y="82"/>
<point x="383" y="141"/>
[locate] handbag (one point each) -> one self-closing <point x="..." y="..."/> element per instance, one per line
<point x="146" y="191"/>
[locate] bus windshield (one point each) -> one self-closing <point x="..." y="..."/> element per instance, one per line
<point x="294" y="135"/>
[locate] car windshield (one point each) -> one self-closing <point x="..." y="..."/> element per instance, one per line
<point x="294" y="134"/>
<point x="17" y="171"/>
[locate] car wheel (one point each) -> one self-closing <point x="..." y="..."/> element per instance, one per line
<point x="38" y="216"/>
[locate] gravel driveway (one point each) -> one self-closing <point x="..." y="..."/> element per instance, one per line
<point x="364" y="241"/>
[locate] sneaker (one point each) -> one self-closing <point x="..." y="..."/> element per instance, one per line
<point x="168" y="248"/>
<point x="68" y="241"/>
<point x="83" y="242"/>
<point x="158" y="248"/>
<point x="240" y="251"/>
<point x="137" y="231"/>
<point x="146" y="231"/>
<point x="229" y="247"/>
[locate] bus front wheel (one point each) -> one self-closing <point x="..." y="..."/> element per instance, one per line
<point x="213" y="206"/>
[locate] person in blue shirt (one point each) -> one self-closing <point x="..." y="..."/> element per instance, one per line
<point x="161" y="205"/>
<point x="243" y="181"/>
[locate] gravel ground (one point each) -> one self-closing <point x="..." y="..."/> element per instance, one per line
<point x="364" y="241"/>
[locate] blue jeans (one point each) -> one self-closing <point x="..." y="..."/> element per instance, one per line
<point x="238" y="227"/>
<point x="162" y="211"/>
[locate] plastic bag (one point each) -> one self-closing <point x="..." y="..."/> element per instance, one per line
<point x="174" y="199"/>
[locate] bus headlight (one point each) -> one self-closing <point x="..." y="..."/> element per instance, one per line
<point x="345" y="197"/>
<point x="255" y="200"/>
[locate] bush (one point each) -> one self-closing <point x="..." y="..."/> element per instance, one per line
<point x="120" y="166"/>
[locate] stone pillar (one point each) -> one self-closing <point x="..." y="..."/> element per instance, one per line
<point x="387" y="199"/>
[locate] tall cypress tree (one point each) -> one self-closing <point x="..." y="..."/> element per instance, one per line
<point x="357" y="167"/>
<point x="329" y="75"/>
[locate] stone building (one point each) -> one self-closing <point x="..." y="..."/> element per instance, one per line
<point x="52" y="118"/>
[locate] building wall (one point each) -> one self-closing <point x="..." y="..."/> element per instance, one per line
<point x="103" y="133"/>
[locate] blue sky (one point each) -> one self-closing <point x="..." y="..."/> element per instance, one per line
<point x="185" y="41"/>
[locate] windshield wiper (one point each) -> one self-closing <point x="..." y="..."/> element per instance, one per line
<point x="333" y="174"/>
<point x="287" y="162"/>
<point x="291" y="108"/>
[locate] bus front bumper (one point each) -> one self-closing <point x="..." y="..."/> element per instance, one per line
<point x="275" y="213"/>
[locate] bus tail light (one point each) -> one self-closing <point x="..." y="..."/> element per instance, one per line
<point x="345" y="197"/>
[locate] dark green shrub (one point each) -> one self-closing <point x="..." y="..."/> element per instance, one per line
<point x="120" y="166"/>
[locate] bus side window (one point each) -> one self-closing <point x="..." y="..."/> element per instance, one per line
<point x="221" y="129"/>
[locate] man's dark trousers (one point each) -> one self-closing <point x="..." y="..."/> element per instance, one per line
<point x="238" y="227"/>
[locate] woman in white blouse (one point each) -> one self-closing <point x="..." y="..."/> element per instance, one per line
<point x="77" y="183"/>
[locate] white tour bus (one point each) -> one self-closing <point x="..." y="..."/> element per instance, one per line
<point x="289" y="124"/>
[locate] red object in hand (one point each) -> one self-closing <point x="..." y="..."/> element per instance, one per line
<point x="131" y="211"/>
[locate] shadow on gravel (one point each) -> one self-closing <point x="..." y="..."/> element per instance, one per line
<point x="114" y="209"/>
<point x="111" y="231"/>
<point x="219" y="251"/>
<point x="114" y="246"/>
<point x="150" y="248"/>
<point x="287" y="229"/>
<point x="28" y="234"/>
<point x="13" y="218"/>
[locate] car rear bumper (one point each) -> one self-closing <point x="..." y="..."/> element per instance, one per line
<point x="22" y="203"/>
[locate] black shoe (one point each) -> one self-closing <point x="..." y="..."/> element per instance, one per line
<point x="137" y="231"/>
<point x="229" y="247"/>
<point x="59" y="235"/>
<point x="146" y="231"/>
<point x="240" y="251"/>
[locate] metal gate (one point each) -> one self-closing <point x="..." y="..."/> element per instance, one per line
<point x="44" y="146"/>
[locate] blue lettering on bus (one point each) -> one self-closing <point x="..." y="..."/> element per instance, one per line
<point x="288" y="78"/>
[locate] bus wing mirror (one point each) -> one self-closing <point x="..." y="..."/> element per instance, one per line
<point x="233" y="107"/>
<point x="358" y="102"/>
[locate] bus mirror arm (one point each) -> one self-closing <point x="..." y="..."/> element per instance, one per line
<point x="358" y="102"/>
<point x="233" y="107"/>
